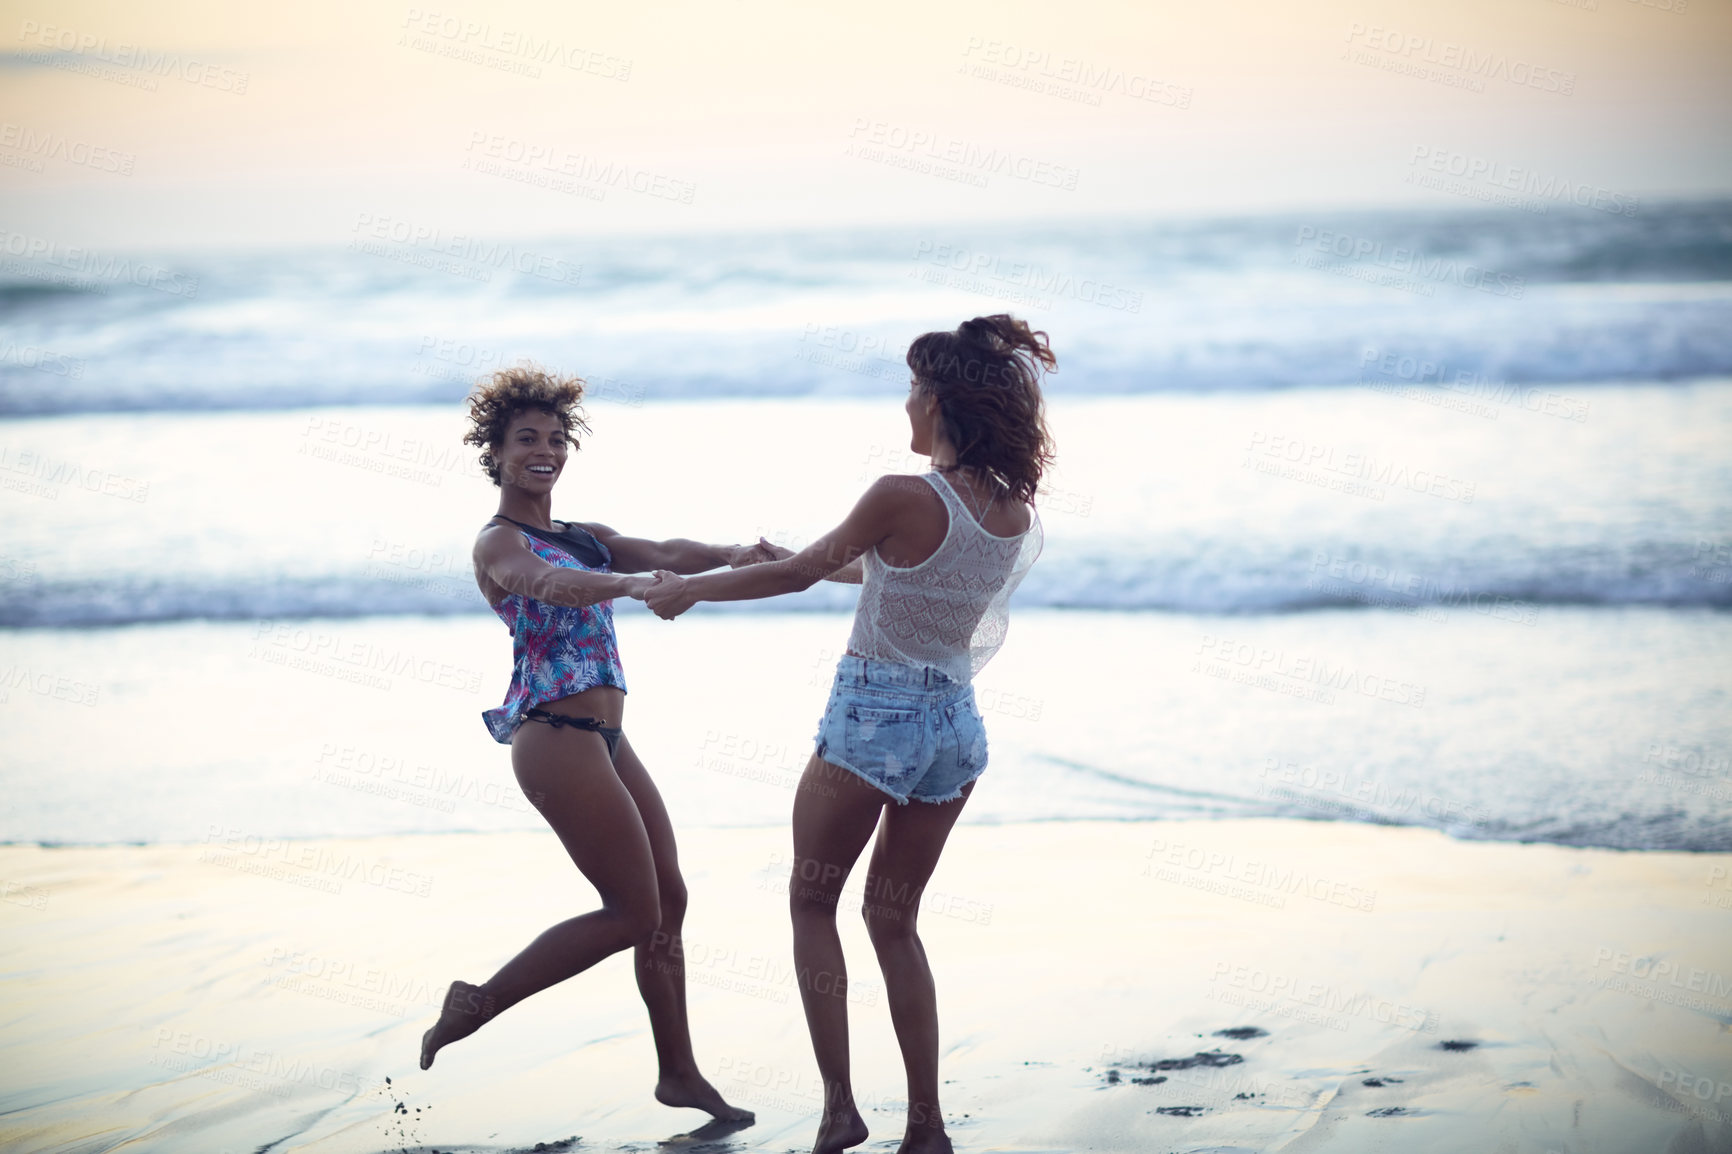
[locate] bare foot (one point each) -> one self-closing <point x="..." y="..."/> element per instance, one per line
<point x="924" y="1140"/>
<point x="839" y="1131"/>
<point x="694" y="1090"/>
<point x="466" y="1010"/>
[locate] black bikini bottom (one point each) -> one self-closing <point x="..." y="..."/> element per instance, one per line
<point x="609" y="733"/>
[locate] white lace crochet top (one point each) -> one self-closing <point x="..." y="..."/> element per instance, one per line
<point x="951" y="611"/>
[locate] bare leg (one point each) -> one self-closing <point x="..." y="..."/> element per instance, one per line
<point x="909" y="843"/>
<point x="568" y="775"/>
<point x="661" y="975"/>
<point x="834" y="812"/>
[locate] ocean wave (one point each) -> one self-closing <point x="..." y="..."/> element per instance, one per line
<point x="1089" y="582"/>
<point x="1123" y="797"/>
<point x="1229" y="306"/>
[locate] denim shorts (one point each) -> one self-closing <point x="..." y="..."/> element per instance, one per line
<point x="911" y="732"/>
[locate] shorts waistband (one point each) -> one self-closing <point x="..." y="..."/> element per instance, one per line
<point x="872" y="671"/>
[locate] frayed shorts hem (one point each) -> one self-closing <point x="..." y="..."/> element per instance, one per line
<point x="827" y="756"/>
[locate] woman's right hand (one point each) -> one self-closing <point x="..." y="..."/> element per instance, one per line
<point x="668" y="596"/>
<point x="636" y="587"/>
<point x="758" y="554"/>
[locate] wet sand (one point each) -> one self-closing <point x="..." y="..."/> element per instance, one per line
<point x="1184" y="986"/>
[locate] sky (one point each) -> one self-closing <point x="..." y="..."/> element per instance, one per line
<point x="185" y="123"/>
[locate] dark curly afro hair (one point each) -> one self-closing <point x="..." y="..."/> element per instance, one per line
<point x="496" y="402"/>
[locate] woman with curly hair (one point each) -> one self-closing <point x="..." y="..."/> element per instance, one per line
<point x="939" y="556"/>
<point x="552" y="584"/>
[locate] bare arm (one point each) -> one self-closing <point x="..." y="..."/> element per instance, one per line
<point x="678" y="555"/>
<point x="852" y="573"/>
<point x="506" y="559"/>
<point x="870" y="522"/>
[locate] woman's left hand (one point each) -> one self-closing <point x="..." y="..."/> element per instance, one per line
<point x="668" y="597"/>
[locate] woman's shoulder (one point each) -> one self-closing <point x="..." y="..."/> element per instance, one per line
<point x="1017" y="519"/>
<point x="498" y="527"/>
<point x="498" y="535"/>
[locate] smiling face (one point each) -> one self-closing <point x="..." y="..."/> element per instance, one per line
<point x="532" y="455"/>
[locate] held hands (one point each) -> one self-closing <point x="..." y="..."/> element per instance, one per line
<point x="757" y="554"/>
<point x="667" y="596"/>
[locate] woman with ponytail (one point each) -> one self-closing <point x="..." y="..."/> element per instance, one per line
<point x="938" y="555"/>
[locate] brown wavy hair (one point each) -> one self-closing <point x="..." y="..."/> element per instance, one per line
<point x="985" y="377"/>
<point x="501" y="398"/>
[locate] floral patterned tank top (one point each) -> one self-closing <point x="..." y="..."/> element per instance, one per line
<point x="557" y="650"/>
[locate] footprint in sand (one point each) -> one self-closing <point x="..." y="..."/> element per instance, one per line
<point x="1241" y="1033"/>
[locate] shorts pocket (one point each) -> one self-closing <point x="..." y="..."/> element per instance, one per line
<point x="883" y="741"/>
<point x="969" y="733"/>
